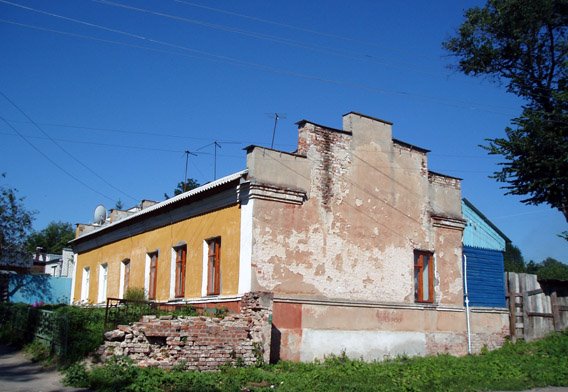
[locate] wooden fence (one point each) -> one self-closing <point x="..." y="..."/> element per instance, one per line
<point x="536" y="308"/>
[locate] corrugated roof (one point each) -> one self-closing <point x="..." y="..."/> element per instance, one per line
<point x="175" y="199"/>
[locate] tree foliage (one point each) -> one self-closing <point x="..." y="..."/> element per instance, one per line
<point x="514" y="261"/>
<point x="523" y="44"/>
<point x="182" y="187"/>
<point x="549" y="268"/>
<point x="53" y="238"/>
<point x="15" y="225"/>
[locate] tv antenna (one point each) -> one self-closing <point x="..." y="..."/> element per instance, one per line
<point x="215" y="145"/>
<point x="187" y="154"/>
<point x="276" y="117"/>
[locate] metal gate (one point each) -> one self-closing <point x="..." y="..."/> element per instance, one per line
<point x="53" y="330"/>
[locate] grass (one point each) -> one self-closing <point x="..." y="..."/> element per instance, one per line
<point x="513" y="367"/>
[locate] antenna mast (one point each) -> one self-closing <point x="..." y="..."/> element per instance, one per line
<point x="215" y="144"/>
<point x="187" y="153"/>
<point x="276" y="117"/>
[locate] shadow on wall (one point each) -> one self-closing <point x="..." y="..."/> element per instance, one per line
<point x="33" y="289"/>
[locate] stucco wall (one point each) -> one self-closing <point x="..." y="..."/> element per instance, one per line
<point x="308" y="331"/>
<point x="370" y="205"/>
<point x="224" y="223"/>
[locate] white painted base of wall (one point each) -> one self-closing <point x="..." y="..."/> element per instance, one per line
<point x="366" y="345"/>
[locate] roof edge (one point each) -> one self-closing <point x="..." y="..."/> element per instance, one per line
<point x="303" y="122"/>
<point x="485" y="219"/>
<point x="182" y="196"/>
<point x="369" y="117"/>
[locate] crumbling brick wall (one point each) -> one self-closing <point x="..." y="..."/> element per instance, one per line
<point x="197" y="343"/>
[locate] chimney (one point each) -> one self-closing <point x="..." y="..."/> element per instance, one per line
<point x="366" y="129"/>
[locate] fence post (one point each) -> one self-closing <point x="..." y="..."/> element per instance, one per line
<point x="556" y="317"/>
<point x="511" y="292"/>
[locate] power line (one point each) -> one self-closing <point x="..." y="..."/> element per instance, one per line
<point x="118" y="130"/>
<point x="234" y="61"/>
<point x="121" y="145"/>
<point x="268" y="37"/>
<point x="55" y="163"/>
<point x="292" y="27"/>
<point x="285" y="41"/>
<point x="62" y="148"/>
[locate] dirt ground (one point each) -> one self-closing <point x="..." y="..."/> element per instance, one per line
<point x="18" y="374"/>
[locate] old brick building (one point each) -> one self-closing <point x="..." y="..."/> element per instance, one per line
<point x="359" y="243"/>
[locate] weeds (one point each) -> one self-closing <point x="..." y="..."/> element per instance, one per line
<point x="515" y="366"/>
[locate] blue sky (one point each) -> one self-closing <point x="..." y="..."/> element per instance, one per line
<point x="115" y="91"/>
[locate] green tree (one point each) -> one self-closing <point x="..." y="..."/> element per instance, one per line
<point x="551" y="268"/>
<point x="514" y="261"/>
<point x="15" y="225"/>
<point x="182" y="187"/>
<point x="523" y="44"/>
<point x="53" y="238"/>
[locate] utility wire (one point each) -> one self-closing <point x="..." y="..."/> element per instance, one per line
<point x="285" y="41"/>
<point x="53" y="162"/>
<point x="292" y="27"/>
<point x="234" y="61"/>
<point x="118" y="130"/>
<point x="123" y="146"/>
<point x="271" y="38"/>
<point x="62" y="148"/>
<point x="209" y="56"/>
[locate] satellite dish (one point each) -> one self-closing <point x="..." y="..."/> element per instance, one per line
<point x="100" y="214"/>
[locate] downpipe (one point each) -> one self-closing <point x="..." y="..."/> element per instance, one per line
<point x="466" y="300"/>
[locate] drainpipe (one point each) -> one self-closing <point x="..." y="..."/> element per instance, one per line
<point x="466" y="300"/>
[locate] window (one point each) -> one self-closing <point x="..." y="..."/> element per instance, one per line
<point x="124" y="277"/>
<point x="103" y="272"/>
<point x="181" y="252"/>
<point x="153" y="274"/>
<point x="85" y="280"/>
<point x="423" y="276"/>
<point x="214" y="266"/>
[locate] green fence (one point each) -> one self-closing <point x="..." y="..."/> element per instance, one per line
<point x="22" y="324"/>
<point x="53" y="329"/>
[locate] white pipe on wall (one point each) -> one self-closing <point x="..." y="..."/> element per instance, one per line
<point x="466" y="299"/>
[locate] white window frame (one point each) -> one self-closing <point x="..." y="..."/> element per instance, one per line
<point x="103" y="283"/>
<point x="85" y="283"/>
<point x="205" y="269"/>
<point x="173" y="256"/>
<point x="121" y="288"/>
<point x="147" y="274"/>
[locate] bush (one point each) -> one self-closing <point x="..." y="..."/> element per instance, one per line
<point x="135" y="294"/>
<point x="76" y="376"/>
<point x="116" y="375"/>
<point x="17" y="323"/>
<point x="84" y="331"/>
<point x="38" y="351"/>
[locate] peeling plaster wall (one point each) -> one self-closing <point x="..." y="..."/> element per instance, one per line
<point x="370" y="202"/>
<point x="308" y="331"/>
<point x="369" y="205"/>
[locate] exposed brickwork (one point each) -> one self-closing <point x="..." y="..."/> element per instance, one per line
<point x="328" y="149"/>
<point x="197" y="343"/>
<point x="490" y="340"/>
<point x="444" y="180"/>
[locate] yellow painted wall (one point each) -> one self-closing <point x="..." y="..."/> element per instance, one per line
<point x="224" y="223"/>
